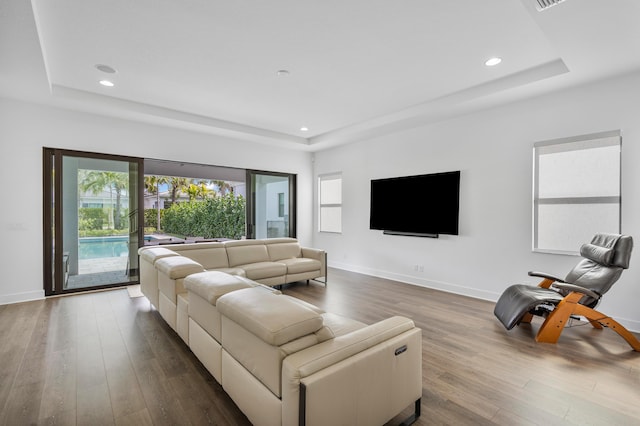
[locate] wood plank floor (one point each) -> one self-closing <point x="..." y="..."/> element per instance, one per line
<point x="105" y="358"/>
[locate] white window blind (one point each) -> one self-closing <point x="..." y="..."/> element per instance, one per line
<point x="576" y="191"/>
<point x="330" y="202"/>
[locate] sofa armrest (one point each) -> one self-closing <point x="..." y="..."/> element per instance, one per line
<point x="341" y="369"/>
<point x="317" y="254"/>
<point x="312" y="253"/>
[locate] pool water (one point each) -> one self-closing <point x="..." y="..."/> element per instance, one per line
<point x="98" y="248"/>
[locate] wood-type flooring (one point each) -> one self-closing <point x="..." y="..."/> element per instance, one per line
<point x="104" y="358"/>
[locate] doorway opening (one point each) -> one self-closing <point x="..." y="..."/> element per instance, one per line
<point x="99" y="209"/>
<point x="91" y="217"/>
<point x="190" y="202"/>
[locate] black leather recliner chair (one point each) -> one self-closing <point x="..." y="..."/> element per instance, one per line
<point x="558" y="299"/>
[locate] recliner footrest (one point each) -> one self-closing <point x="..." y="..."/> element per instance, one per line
<point x="519" y="299"/>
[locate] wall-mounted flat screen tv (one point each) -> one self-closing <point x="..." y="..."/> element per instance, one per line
<point x="422" y="205"/>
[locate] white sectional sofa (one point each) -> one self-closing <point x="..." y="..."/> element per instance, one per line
<point x="286" y="362"/>
<point x="271" y="261"/>
<point x="283" y="361"/>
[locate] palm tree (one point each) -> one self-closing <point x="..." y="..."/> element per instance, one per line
<point x="192" y="190"/>
<point x="177" y="184"/>
<point x="152" y="186"/>
<point x="97" y="181"/>
<point x="204" y="191"/>
<point x="223" y="186"/>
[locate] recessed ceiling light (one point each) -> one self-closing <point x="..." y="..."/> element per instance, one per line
<point x="304" y="129"/>
<point x="105" y="68"/>
<point x="283" y="73"/>
<point x="107" y="83"/>
<point x="491" y="62"/>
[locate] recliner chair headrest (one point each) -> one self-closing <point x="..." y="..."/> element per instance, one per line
<point x="596" y="253"/>
<point x="609" y="250"/>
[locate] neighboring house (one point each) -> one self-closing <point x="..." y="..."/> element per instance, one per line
<point x="164" y="198"/>
<point x="151" y="200"/>
<point x="104" y="200"/>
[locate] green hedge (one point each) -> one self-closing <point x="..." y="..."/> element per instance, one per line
<point x="219" y="217"/>
<point x="151" y="218"/>
<point x="91" y="218"/>
<point x="97" y="219"/>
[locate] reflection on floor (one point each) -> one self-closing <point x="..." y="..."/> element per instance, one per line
<point x="96" y="272"/>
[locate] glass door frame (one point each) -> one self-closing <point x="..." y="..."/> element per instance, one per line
<point x="53" y="276"/>
<point x="251" y="208"/>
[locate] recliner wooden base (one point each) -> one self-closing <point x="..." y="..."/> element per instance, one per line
<point x="557" y="320"/>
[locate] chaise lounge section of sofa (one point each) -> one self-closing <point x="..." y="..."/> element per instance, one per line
<point x="284" y="361"/>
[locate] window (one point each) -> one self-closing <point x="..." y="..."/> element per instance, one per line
<point x="576" y="191"/>
<point x="263" y="220"/>
<point x="330" y="202"/>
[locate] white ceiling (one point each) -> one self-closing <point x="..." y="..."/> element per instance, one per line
<point x="357" y="67"/>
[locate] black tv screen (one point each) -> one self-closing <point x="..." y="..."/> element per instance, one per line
<point x="421" y="205"/>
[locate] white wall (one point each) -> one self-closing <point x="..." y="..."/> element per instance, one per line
<point x="493" y="149"/>
<point x="25" y="128"/>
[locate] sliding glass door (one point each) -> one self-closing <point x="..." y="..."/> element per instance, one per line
<point x="271" y="205"/>
<point x="92" y="216"/>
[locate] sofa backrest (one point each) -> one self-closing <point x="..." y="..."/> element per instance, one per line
<point x="283" y="248"/>
<point x="242" y="252"/>
<point x="211" y="255"/>
<point x="217" y="255"/>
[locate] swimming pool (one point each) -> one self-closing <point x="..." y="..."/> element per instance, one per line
<point x="101" y="247"/>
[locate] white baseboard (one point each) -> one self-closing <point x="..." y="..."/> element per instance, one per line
<point x="408" y="279"/>
<point x="27" y="296"/>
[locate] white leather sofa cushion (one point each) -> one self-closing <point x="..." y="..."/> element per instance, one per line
<point x="206" y="315"/>
<point x="274" y="318"/>
<point x="289" y="252"/>
<point x="283" y="248"/>
<point x="262" y="359"/>
<point x="301" y="265"/>
<point x="178" y="266"/>
<point x="209" y="255"/>
<point x="205" y="289"/>
<point x="243" y="252"/>
<point x="210" y="285"/>
<point x="333" y="326"/>
<point x="260" y="328"/>
<point x="149" y="273"/>
<point x="336" y="325"/>
<point x="232" y="271"/>
<point x="263" y="270"/>
<point x="328" y="353"/>
<point x="151" y="254"/>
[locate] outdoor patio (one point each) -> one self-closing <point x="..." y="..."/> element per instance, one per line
<point x="96" y="272"/>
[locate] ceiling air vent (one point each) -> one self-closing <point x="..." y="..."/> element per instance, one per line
<point x="546" y="4"/>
